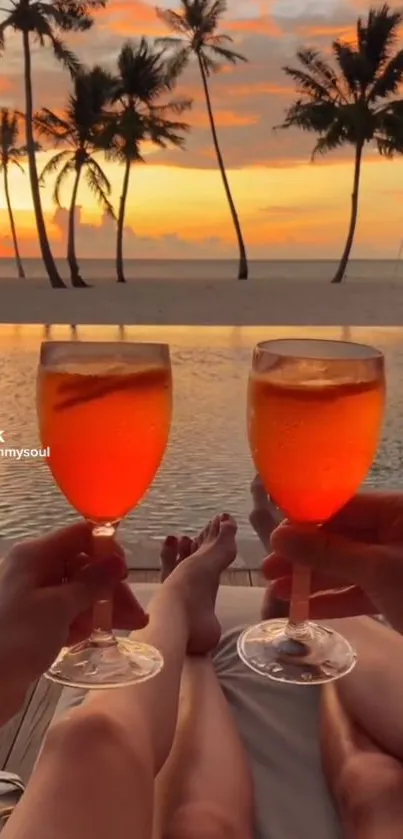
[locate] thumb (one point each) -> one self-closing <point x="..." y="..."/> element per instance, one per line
<point x="332" y="555"/>
<point x="91" y="582"/>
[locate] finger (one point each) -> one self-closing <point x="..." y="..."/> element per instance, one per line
<point x="333" y="555"/>
<point x="363" y="516"/>
<point x="275" y="567"/>
<point x="127" y="614"/>
<point x="90" y="584"/>
<point x="76" y="562"/>
<point x="46" y="557"/>
<point x="342" y="603"/>
<point x="349" y="603"/>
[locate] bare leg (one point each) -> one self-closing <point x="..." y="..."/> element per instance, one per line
<point x="95" y="776"/>
<point x="362" y="734"/>
<point x="204" y="789"/>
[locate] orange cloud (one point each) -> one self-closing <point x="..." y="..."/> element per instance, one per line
<point x="224" y="119"/>
<point x="5" y="84"/>
<point x="346" y="33"/>
<point x="260" y="26"/>
<point x="131" y="17"/>
<point x="260" y="87"/>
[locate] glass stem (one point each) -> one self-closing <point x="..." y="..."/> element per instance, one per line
<point x="298" y="625"/>
<point x="103" y="634"/>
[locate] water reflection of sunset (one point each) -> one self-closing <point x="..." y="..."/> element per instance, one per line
<point x="207" y="467"/>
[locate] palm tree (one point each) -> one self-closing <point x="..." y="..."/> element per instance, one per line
<point x="45" y="22"/>
<point x="352" y="101"/>
<point x="79" y="129"/>
<point x="144" y="76"/>
<point x="11" y="154"/>
<point x="196" y="24"/>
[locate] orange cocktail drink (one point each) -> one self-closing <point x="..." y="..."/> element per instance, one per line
<point x="104" y="413"/>
<point x="315" y="412"/>
<point x="313" y="443"/>
<point x="107" y="430"/>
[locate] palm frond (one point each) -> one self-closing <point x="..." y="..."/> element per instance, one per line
<point x="334" y="138"/>
<point x="222" y="53"/>
<point x="103" y="181"/>
<point x="60" y="180"/>
<point x="388" y="132"/>
<point x="52" y="166"/>
<point x="51" y="126"/>
<point x="4" y="25"/>
<point x="316" y="117"/>
<point x="308" y="85"/>
<point x="165" y="133"/>
<point x="96" y="187"/>
<point x="389" y="79"/>
<point x="174" y="21"/>
<point x="65" y="56"/>
<point x="219" y="40"/>
<point x="210" y="65"/>
<point x="376" y="37"/>
<point x="13" y="160"/>
<point x="352" y="67"/>
<point x="320" y="70"/>
<point x="174" y="106"/>
<point x="75" y="15"/>
<point x="178" y="61"/>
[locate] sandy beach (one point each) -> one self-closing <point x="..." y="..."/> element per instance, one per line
<point x="205" y="303"/>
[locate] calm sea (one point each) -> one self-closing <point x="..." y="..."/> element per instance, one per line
<point x="104" y="269"/>
<point x="207" y="468"/>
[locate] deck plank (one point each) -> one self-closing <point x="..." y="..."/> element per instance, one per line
<point x="257" y="580"/>
<point x="232" y="577"/>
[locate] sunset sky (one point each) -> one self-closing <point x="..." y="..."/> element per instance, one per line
<point x="288" y="206"/>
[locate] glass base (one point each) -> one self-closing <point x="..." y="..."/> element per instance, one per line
<point x="319" y="655"/>
<point x="96" y="666"/>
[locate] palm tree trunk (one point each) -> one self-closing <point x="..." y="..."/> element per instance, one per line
<point x="20" y="268"/>
<point x="76" y="278"/>
<point x="243" y="271"/>
<point x="120" y="226"/>
<point x="50" y="265"/>
<point x="340" y="273"/>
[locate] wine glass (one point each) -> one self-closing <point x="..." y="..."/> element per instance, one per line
<point x="104" y="411"/>
<point x="315" y="412"/>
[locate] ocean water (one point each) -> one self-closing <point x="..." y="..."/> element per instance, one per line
<point x="207" y="468"/>
<point x="100" y="270"/>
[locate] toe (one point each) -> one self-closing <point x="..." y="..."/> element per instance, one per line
<point x="168" y="556"/>
<point x="214" y="528"/>
<point x="227" y="526"/>
<point x="184" y="548"/>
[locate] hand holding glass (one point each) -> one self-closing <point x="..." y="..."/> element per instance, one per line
<point x="104" y="411"/>
<point x="315" y="412"/>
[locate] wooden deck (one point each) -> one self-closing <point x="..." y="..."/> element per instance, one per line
<point x="21" y="737"/>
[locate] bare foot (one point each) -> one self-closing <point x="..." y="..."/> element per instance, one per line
<point x="265" y="516"/>
<point x="194" y="574"/>
<point x="366" y="783"/>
